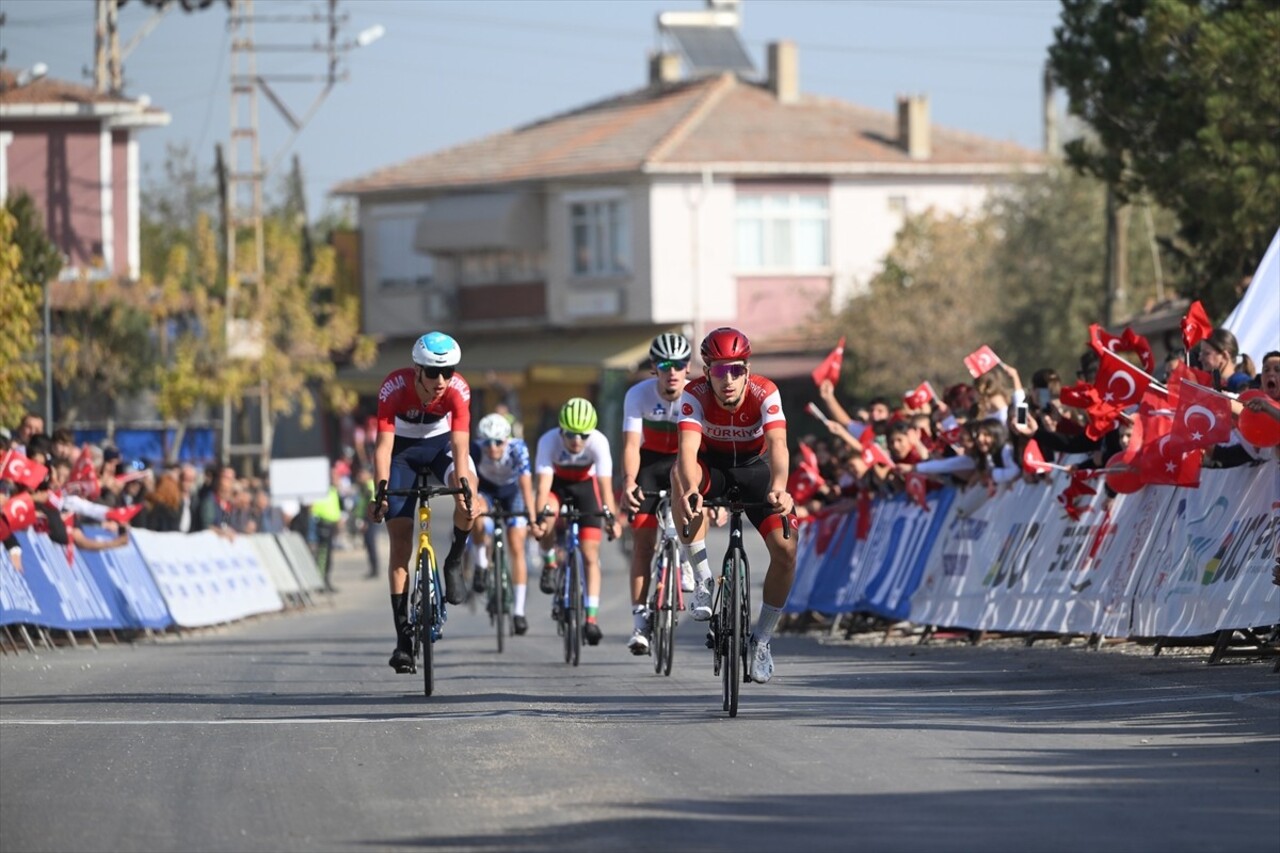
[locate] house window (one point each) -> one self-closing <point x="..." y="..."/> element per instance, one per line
<point x="781" y="231"/>
<point x="397" y="265"/>
<point x="601" y="237"/>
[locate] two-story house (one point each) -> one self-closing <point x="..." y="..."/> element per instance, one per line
<point x="556" y="250"/>
<point x="75" y="152"/>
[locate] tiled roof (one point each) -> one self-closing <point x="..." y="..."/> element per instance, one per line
<point x="718" y="120"/>
<point x="46" y="90"/>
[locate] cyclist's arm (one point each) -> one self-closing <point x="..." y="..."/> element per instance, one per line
<point x="381" y="469"/>
<point x="630" y="460"/>
<point x="526" y="489"/>
<point x="543" y="490"/>
<point x="779" y="465"/>
<point x="687" y="462"/>
<point x="461" y="441"/>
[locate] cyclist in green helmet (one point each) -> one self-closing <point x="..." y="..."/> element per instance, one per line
<point x="573" y="464"/>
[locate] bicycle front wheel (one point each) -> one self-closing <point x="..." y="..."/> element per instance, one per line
<point x="731" y="670"/>
<point x="670" y="605"/>
<point x="498" y="589"/>
<point x="576" y="611"/>
<point x="657" y="608"/>
<point x="427" y="618"/>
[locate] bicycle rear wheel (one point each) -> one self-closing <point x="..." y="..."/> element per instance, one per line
<point x="732" y="613"/>
<point x="744" y="592"/>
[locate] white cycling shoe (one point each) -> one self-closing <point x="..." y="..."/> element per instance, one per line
<point x="761" y="661"/>
<point x="639" y="643"/>
<point x="701" y="606"/>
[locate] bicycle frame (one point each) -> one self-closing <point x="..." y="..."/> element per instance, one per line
<point x="666" y="598"/>
<point x="572" y="588"/>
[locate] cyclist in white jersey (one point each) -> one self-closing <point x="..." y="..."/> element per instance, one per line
<point x="506" y="483"/>
<point x="573" y="463"/>
<point x="650" y="411"/>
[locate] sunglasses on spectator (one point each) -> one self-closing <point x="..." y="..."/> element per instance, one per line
<point x="734" y="370"/>
<point x="581" y="435"/>
<point x="437" y="372"/>
<point x="672" y="365"/>
<point x="493" y="442"/>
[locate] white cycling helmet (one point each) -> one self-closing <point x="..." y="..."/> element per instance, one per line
<point x="436" y="349"/>
<point x="670" y="347"/>
<point x="494" y="427"/>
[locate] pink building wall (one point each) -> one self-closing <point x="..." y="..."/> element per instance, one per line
<point x="58" y="163"/>
<point x="780" y="307"/>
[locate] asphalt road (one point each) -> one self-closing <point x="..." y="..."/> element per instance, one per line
<point x="289" y="732"/>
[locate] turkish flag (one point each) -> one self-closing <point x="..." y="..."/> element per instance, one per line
<point x="1033" y="459"/>
<point x="1082" y="395"/>
<point x="1101" y="340"/>
<point x="806" y="479"/>
<point x="124" y="514"/>
<point x="917" y="485"/>
<point x="1160" y="461"/>
<point x="981" y="360"/>
<point x="83" y="479"/>
<point x="1203" y="418"/>
<point x="18" y="513"/>
<point x="829" y="370"/>
<point x="1195" y="325"/>
<point x="21" y="470"/>
<point x="918" y="398"/>
<point x="1119" y="383"/>
<point x="873" y="454"/>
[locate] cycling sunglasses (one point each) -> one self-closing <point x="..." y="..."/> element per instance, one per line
<point x="733" y="370"/>
<point x="581" y="435"/>
<point x="437" y="372"/>
<point x="671" y="365"/>
<point x="493" y="442"/>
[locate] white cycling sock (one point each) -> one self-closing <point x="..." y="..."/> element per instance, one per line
<point x="698" y="556"/>
<point x="640" y="616"/>
<point x="517" y="606"/>
<point x="768" y="621"/>
<point x="480" y="556"/>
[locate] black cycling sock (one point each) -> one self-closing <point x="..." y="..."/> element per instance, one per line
<point x="398" y="612"/>
<point x="460" y="538"/>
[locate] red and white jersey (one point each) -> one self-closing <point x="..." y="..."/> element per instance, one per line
<point x="737" y="435"/>
<point x="646" y="411"/>
<point x="401" y="411"/>
<point x="553" y="457"/>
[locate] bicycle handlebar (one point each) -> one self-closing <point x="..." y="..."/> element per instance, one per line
<point x="736" y="506"/>
<point x="573" y="512"/>
<point x="424" y="493"/>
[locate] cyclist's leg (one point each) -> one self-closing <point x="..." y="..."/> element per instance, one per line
<point x="547" y="544"/>
<point x="400" y="526"/>
<point x="480" y="542"/>
<point x="442" y="466"/>
<point x="754" y="482"/>
<point x="712" y="486"/>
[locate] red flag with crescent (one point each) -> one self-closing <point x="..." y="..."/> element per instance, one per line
<point x="873" y="454"/>
<point x="1203" y="417"/>
<point x="981" y="360"/>
<point x="917" y="486"/>
<point x="83" y="479"/>
<point x="21" y="470"/>
<point x="18" y="513"/>
<point x="917" y="399"/>
<point x="1033" y="461"/>
<point x="1119" y="383"/>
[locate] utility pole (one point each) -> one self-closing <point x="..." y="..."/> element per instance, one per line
<point x="108" y="75"/>
<point x="245" y="214"/>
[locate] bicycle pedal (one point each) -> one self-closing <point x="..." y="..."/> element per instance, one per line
<point x="711" y="640"/>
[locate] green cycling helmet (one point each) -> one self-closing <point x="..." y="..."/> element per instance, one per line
<point x="578" y="415"/>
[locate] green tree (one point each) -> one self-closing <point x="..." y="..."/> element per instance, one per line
<point x="20" y="301"/>
<point x="1183" y="98"/>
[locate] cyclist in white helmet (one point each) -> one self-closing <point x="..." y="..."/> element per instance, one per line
<point x="649" y="415"/>
<point x="506" y="483"/>
<point x="424" y="423"/>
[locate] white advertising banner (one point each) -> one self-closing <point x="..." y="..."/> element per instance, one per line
<point x="206" y="579"/>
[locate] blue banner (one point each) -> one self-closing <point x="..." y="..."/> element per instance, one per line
<point x="122" y="574"/>
<point x="59" y="594"/>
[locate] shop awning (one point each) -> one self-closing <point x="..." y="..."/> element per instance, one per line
<point x="483" y="221"/>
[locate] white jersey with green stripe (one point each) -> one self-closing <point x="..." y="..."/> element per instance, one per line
<point x="646" y="411"/>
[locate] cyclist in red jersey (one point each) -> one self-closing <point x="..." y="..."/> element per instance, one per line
<point x="733" y="433"/>
<point x="424" y="423"/>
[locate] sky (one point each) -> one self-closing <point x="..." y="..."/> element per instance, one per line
<point x="450" y="71"/>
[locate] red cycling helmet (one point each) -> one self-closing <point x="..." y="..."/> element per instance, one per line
<point x="725" y="344"/>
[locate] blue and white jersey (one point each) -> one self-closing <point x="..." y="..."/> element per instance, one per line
<point x="506" y="470"/>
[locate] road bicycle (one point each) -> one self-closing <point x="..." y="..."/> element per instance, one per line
<point x="427" y="612"/>
<point x="569" y="607"/>
<point x="729" y="628"/>
<point x="666" y="598"/>
<point x="498" y="576"/>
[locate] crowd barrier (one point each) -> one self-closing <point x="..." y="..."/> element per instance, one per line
<point x="1162" y="562"/>
<point x="156" y="581"/>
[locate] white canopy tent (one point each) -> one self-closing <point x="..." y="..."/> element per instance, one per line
<point x="1256" y="320"/>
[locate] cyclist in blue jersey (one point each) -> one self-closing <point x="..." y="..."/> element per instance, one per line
<point x="506" y="484"/>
